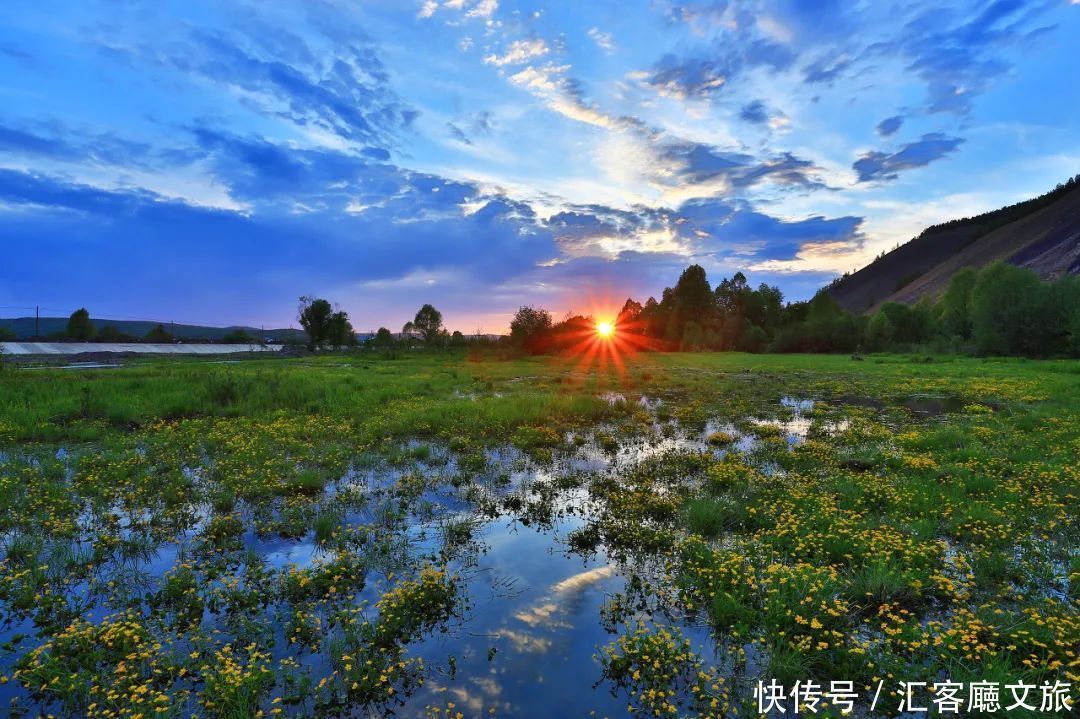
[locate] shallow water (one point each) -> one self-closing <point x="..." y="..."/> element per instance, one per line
<point x="526" y="645"/>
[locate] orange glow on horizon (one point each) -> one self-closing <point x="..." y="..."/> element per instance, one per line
<point x="599" y="337"/>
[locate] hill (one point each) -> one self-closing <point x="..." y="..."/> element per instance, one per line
<point x="23" y="327"/>
<point x="1042" y="234"/>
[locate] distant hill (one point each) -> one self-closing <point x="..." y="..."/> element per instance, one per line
<point x="24" y="329"/>
<point x="1042" y="234"/>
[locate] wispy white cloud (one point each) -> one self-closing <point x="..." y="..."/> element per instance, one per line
<point x="604" y="40"/>
<point x="519" y="51"/>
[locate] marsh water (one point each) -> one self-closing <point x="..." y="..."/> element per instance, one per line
<point x="526" y="640"/>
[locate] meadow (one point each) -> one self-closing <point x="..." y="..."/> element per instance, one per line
<point x="431" y="534"/>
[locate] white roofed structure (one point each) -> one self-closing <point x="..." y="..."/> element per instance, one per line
<point x="72" y="348"/>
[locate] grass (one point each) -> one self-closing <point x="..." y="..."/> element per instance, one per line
<point x="886" y="542"/>
<point x="709" y="516"/>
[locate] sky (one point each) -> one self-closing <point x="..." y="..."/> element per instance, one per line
<point x="209" y="161"/>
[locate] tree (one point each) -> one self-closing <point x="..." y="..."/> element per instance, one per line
<point x="383" y="338"/>
<point x="428" y="322"/>
<point x="238" y="337"/>
<point x="754" y="338"/>
<point x="828" y="327"/>
<point x="79" y="326"/>
<point x="879" y="332"/>
<point x="7" y="335"/>
<point x="692" y="296"/>
<point x="159" y="335"/>
<point x="1004" y="302"/>
<point x="530" y="328"/>
<point x="314" y="315"/>
<point x="731" y="295"/>
<point x="109" y="333"/>
<point x="629" y="317"/>
<point x="1074" y="332"/>
<point x="693" y="336"/>
<point x="339" y="332"/>
<point x="954" y="309"/>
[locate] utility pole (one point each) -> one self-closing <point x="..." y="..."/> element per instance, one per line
<point x="37" y="322"/>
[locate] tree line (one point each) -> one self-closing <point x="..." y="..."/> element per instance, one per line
<point x="80" y="328"/>
<point x="329" y="327"/>
<point x="998" y="310"/>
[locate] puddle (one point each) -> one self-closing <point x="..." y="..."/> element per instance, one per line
<point x="78" y="365"/>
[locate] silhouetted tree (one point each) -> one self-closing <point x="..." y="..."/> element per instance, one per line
<point x="238" y="337"/>
<point x="383" y="338"/>
<point x="314" y="316"/>
<point x="629" y="317"/>
<point x="158" y="334"/>
<point x="110" y="333"/>
<point x="429" y="323"/>
<point x="531" y="328"/>
<point x="79" y="326"/>
<point x="339" y="331"/>
<point x="692" y="298"/>
<point x="731" y="295"/>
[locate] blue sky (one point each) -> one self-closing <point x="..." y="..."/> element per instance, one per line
<point x="211" y="161"/>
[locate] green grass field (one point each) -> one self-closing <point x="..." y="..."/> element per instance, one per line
<point x="435" y="534"/>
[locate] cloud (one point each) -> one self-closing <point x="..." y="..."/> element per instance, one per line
<point x="146" y="243"/>
<point x="305" y="129"/>
<point x="476" y="9"/>
<point x="599" y="231"/>
<point x="519" y="52"/>
<point x="758" y="113"/>
<point x="956" y="50"/>
<point x="483" y="9"/>
<point x="56" y="140"/>
<point x="688" y="77"/>
<point x="827" y="257"/>
<point x="670" y="163"/>
<point x="730" y="229"/>
<point x="755" y="112"/>
<point x="885" y="166"/>
<point x="15" y="52"/>
<point x="346" y="93"/>
<point x="564" y="95"/>
<point x="889" y="125"/>
<point x="457" y="133"/>
<point x="827" y="69"/>
<point x="686" y="163"/>
<point x="604" y="40"/>
<point x="957" y="54"/>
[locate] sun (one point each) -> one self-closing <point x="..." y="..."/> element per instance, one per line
<point x="605" y="329"/>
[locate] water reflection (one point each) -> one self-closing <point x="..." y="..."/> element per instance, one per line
<point x="526" y="645"/>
